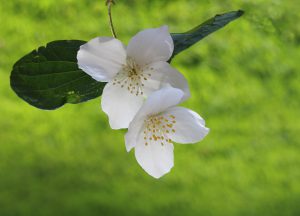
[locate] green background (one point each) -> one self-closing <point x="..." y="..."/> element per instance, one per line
<point x="244" y="81"/>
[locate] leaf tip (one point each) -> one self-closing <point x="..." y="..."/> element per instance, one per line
<point x="240" y="12"/>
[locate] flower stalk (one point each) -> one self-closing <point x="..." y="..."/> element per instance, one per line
<point x="109" y="4"/>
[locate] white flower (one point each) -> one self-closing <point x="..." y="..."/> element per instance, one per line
<point x="156" y="125"/>
<point x="132" y="72"/>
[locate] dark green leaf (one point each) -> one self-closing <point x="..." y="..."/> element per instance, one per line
<point x="183" y="41"/>
<point x="49" y="77"/>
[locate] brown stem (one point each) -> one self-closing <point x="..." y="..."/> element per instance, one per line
<point x="109" y="3"/>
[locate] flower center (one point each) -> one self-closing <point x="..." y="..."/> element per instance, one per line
<point x="132" y="77"/>
<point x="158" y="128"/>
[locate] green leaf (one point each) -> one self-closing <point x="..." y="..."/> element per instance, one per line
<point x="49" y="77"/>
<point x="184" y="40"/>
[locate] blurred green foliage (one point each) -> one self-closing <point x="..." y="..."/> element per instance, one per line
<point x="244" y="81"/>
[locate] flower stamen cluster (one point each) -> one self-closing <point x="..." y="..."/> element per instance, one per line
<point x="158" y="128"/>
<point x="132" y="77"/>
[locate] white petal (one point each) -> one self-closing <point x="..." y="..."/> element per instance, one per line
<point x="135" y="134"/>
<point x="161" y="100"/>
<point x="162" y="74"/>
<point x="189" y="126"/>
<point x="154" y="158"/>
<point x="120" y="105"/>
<point x="151" y="45"/>
<point x="101" y="58"/>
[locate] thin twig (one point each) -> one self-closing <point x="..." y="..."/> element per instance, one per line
<point x="109" y="3"/>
